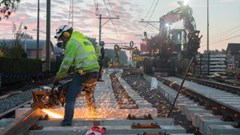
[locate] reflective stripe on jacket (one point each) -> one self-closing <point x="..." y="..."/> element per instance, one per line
<point x="79" y="53"/>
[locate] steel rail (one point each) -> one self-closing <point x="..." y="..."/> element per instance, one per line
<point x="222" y="86"/>
<point x="22" y="124"/>
<point x="225" y="109"/>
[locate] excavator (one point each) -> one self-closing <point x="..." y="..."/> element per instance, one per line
<point x="173" y="46"/>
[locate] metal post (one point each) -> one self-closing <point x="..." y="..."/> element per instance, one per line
<point x="48" y="34"/>
<point x="37" y="50"/>
<point x="100" y="28"/>
<point x="0" y="80"/>
<point x="200" y="65"/>
<point x="208" y="35"/>
<point x="180" y="88"/>
<point x="100" y="24"/>
<point x="25" y="32"/>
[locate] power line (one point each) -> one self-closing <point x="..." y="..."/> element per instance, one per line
<point x="111" y="7"/>
<point x="110" y="16"/>
<point x="226" y="39"/>
<point x="116" y="32"/>
<point x="96" y="8"/>
<point x="226" y="36"/>
<point x="152" y="12"/>
<point x="223" y="40"/>
<point x="149" y="9"/>
<point x="229" y="32"/>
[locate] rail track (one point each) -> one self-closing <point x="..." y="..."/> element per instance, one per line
<point x="207" y="104"/>
<point x="208" y="97"/>
<point x="232" y="88"/>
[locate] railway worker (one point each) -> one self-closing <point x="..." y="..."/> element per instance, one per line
<point x="80" y="53"/>
<point x="100" y="53"/>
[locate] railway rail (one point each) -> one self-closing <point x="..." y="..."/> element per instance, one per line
<point x="209" y="98"/>
<point x="23" y="124"/>
<point x="222" y="86"/>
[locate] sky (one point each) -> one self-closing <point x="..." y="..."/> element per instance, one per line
<point x="224" y="19"/>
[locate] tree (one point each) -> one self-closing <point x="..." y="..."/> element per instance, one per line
<point x="22" y="35"/>
<point x="216" y="51"/>
<point x="1" y="53"/>
<point x="3" y="48"/>
<point x="7" y="7"/>
<point x="16" y="51"/>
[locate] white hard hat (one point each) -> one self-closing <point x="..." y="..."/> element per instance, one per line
<point x="60" y="30"/>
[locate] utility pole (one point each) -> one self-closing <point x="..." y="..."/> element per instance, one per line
<point x="25" y="36"/>
<point x="208" y="53"/>
<point x="70" y="19"/>
<point x="100" y="24"/>
<point x="48" y="28"/>
<point x="37" y="50"/>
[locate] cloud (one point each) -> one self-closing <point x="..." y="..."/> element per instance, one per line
<point x="85" y="18"/>
<point x="229" y="1"/>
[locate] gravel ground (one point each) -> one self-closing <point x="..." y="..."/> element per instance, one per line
<point x="18" y="96"/>
<point x="142" y="86"/>
<point x="15" y="100"/>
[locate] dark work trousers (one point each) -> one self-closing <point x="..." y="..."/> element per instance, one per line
<point x="100" y="70"/>
<point x="76" y="87"/>
<point x="100" y="61"/>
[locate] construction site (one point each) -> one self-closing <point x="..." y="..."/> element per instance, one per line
<point x="161" y="86"/>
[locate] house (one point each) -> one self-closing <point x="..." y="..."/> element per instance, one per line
<point x="233" y="55"/>
<point x="30" y="46"/>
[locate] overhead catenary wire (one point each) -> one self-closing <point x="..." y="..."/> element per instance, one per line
<point x="223" y="36"/>
<point x="153" y="11"/>
<point x="111" y="7"/>
<point x="224" y="40"/>
<point x="235" y="28"/>
<point x="110" y="16"/>
<point x="151" y="14"/>
<point x="149" y="9"/>
<point x="227" y="35"/>
<point x="217" y="37"/>
<point x="116" y="32"/>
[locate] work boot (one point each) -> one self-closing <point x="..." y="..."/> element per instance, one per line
<point x="100" y="80"/>
<point x="65" y="124"/>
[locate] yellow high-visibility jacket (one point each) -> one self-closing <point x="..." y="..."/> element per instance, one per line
<point x="80" y="53"/>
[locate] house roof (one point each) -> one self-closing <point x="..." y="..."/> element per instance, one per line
<point x="30" y="43"/>
<point x="234" y="48"/>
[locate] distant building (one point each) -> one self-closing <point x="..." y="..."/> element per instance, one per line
<point x="30" y="45"/>
<point x="233" y="55"/>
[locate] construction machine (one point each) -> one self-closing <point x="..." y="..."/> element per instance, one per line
<point x="134" y="52"/>
<point x="172" y="47"/>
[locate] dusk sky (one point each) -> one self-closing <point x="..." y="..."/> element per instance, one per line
<point x="224" y="18"/>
